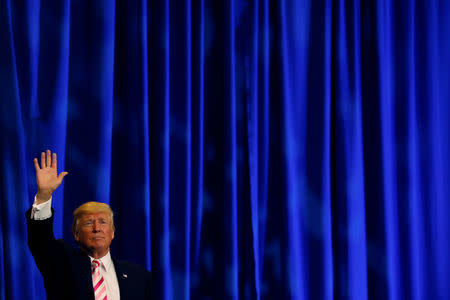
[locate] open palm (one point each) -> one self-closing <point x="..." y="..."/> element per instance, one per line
<point x="47" y="177"/>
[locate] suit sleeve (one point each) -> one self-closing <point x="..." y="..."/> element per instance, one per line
<point x="149" y="285"/>
<point x="42" y="244"/>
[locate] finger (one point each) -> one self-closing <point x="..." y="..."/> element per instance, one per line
<point x="61" y="176"/>
<point x="49" y="159"/>
<point x="54" y="161"/>
<point x="36" y="164"/>
<point x="42" y="160"/>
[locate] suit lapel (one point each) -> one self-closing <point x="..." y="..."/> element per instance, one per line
<point x="86" y="277"/>
<point x="122" y="279"/>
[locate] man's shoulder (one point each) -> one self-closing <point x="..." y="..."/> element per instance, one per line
<point x="132" y="271"/>
<point x="124" y="265"/>
<point x="135" y="281"/>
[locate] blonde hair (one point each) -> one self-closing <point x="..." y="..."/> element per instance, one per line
<point x="91" y="207"/>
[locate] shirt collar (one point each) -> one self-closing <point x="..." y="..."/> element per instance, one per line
<point x="106" y="261"/>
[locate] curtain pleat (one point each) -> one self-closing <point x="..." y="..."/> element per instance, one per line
<point x="14" y="172"/>
<point x="438" y="115"/>
<point x="294" y="57"/>
<point x="327" y="248"/>
<point x="350" y="149"/>
<point x="388" y="130"/>
<point x="198" y="118"/>
<point x="106" y="14"/>
<point x="188" y="181"/>
<point x="416" y="233"/>
<point x="253" y="136"/>
<point x="146" y="122"/>
<point x="165" y="201"/>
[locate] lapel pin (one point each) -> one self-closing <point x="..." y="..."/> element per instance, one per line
<point x="125" y="275"/>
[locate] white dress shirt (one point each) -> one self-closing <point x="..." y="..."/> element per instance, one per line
<point x="43" y="211"/>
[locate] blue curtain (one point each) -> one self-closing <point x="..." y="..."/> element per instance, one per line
<point x="251" y="149"/>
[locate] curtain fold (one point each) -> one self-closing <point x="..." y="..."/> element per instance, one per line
<point x="438" y="115"/>
<point x="349" y="151"/>
<point x="326" y="181"/>
<point x="250" y="149"/>
<point x="294" y="27"/>
<point x="416" y="234"/>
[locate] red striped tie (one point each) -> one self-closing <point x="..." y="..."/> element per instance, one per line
<point x="97" y="281"/>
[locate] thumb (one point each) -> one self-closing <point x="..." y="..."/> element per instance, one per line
<point x="61" y="176"/>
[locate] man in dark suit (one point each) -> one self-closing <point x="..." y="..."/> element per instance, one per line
<point x="86" y="273"/>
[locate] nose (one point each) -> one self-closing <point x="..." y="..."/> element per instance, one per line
<point x="95" y="227"/>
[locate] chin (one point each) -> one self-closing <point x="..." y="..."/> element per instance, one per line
<point x="99" y="246"/>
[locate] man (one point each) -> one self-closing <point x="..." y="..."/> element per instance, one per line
<point x="86" y="273"/>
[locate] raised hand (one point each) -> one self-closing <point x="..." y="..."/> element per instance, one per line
<point x="46" y="176"/>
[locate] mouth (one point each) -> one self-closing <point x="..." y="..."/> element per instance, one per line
<point x="97" y="238"/>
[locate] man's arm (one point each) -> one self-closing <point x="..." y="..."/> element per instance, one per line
<point x="41" y="240"/>
<point x="148" y="286"/>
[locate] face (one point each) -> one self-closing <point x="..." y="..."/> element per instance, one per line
<point x="95" y="234"/>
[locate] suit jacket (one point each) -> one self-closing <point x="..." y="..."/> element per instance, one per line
<point x="67" y="271"/>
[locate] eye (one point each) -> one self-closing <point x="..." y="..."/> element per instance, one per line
<point x="88" y="224"/>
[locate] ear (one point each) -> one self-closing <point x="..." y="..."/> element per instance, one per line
<point x="112" y="235"/>
<point x="77" y="237"/>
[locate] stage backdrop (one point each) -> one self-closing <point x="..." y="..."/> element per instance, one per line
<point x="259" y="149"/>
